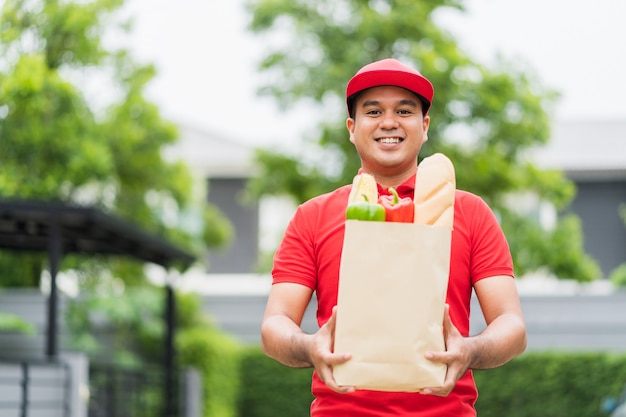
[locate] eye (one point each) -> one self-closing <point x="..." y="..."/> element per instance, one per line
<point x="405" y="112"/>
<point x="373" y="112"/>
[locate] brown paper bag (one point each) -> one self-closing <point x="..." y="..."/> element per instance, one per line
<point x="392" y="290"/>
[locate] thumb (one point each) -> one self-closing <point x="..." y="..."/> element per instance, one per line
<point x="333" y="317"/>
<point x="331" y="324"/>
<point x="447" y="323"/>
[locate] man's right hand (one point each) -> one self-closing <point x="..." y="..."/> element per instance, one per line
<point x="322" y="356"/>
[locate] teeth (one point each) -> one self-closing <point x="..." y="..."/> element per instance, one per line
<point x="389" y="140"/>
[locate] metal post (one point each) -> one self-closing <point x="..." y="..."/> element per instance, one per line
<point x="54" y="255"/>
<point x="170" y="352"/>
<point x="25" y="382"/>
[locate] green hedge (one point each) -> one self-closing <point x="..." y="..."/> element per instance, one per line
<point x="547" y="384"/>
<point x="269" y="389"/>
<point x="551" y="384"/>
<point x="216" y="356"/>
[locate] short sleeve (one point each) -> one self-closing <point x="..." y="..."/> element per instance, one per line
<point x="294" y="260"/>
<point x="490" y="252"/>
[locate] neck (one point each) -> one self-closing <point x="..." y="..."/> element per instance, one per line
<point x="392" y="180"/>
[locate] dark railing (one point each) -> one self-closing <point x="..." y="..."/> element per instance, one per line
<point x="38" y="387"/>
<point x="27" y="386"/>
<point x="117" y="392"/>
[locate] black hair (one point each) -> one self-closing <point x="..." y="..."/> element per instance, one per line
<point x="351" y="102"/>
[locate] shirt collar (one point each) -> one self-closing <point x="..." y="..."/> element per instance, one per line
<point x="406" y="189"/>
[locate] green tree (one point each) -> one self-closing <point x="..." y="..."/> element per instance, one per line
<point x="60" y="141"/>
<point x="63" y="142"/>
<point x="485" y="119"/>
<point x="618" y="275"/>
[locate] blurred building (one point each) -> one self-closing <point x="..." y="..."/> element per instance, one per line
<point x="225" y="166"/>
<point x="593" y="155"/>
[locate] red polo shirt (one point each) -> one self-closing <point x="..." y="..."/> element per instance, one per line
<point x="310" y="254"/>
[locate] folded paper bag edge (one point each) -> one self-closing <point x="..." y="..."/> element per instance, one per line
<point x="398" y="380"/>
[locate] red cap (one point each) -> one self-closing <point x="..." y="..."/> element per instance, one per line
<point x="390" y="72"/>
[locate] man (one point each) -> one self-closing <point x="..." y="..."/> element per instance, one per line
<point x="388" y="121"/>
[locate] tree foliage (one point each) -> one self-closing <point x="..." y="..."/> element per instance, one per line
<point x="485" y="119"/>
<point x="63" y="142"/>
<point x="618" y="275"/>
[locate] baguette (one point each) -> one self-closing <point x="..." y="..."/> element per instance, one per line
<point x="435" y="185"/>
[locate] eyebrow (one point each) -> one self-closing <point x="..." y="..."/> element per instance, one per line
<point x="403" y="102"/>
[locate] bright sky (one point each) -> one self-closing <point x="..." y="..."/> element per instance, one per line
<point x="206" y="60"/>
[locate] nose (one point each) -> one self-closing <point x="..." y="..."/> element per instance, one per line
<point x="389" y="121"/>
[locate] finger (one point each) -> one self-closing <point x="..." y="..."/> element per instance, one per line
<point x="332" y="321"/>
<point x="442" y="357"/>
<point x="326" y="375"/>
<point x="339" y="358"/>
<point x="342" y="389"/>
<point x="335" y="358"/>
<point x="445" y="389"/>
<point x="331" y="326"/>
<point x="437" y="391"/>
<point x="447" y="322"/>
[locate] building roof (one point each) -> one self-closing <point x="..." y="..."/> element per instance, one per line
<point x="28" y="226"/>
<point x="59" y="228"/>
<point x="586" y="149"/>
<point x="211" y="154"/>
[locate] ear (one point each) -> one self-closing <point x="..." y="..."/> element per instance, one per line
<point x="425" y="128"/>
<point x="350" y="126"/>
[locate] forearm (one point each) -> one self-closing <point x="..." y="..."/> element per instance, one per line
<point x="284" y="341"/>
<point x="501" y="341"/>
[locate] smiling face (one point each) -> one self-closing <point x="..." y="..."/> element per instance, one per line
<point x="388" y="131"/>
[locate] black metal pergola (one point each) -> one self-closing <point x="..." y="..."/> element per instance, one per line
<point x="59" y="229"/>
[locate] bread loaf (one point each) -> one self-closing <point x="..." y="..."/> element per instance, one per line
<point x="435" y="185"/>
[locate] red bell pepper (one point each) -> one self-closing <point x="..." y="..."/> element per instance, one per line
<point x="397" y="209"/>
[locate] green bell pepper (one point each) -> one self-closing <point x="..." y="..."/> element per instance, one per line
<point x="364" y="210"/>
